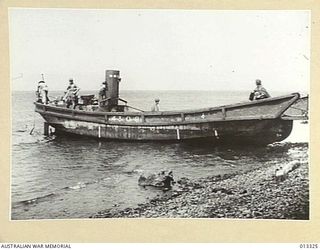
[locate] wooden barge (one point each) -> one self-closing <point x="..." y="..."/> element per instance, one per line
<point x="252" y="122"/>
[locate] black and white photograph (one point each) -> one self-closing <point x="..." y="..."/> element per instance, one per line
<point x="159" y="113"/>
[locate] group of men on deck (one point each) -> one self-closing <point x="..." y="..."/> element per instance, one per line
<point x="71" y="95"/>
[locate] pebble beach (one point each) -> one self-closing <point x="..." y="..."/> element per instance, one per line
<point x="255" y="194"/>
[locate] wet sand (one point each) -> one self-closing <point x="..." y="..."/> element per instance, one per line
<point x="254" y="194"/>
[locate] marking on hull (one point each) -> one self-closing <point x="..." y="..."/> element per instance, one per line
<point x="76" y="124"/>
<point x="99" y="132"/>
<point x="116" y="118"/>
<point x="178" y="134"/>
<point x="216" y="134"/>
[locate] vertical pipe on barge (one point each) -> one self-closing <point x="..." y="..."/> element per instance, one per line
<point x="112" y="84"/>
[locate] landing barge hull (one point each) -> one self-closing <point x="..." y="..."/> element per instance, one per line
<point x="256" y="122"/>
<point x="252" y="132"/>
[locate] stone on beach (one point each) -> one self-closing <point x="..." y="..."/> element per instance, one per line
<point x="282" y="171"/>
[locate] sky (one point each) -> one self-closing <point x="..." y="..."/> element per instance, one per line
<point x="160" y="49"/>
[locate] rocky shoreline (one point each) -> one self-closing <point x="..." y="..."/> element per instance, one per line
<point x="256" y="194"/>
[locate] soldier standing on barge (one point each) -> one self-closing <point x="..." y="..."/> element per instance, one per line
<point x="42" y="92"/>
<point x="102" y="94"/>
<point x="72" y="94"/>
<point x="155" y="106"/>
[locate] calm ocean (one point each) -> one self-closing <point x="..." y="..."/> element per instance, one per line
<point x="64" y="177"/>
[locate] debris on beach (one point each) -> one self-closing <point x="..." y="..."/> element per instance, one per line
<point x="161" y="180"/>
<point x="281" y="172"/>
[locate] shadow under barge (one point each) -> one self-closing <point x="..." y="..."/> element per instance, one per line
<point x="252" y="122"/>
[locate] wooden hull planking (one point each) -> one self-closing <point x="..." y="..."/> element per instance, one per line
<point x="256" y="122"/>
<point x="220" y="132"/>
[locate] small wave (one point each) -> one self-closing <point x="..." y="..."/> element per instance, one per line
<point x="81" y="184"/>
<point x="33" y="200"/>
<point x="31" y="140"/>
<point x="288" y="144"/>
<point x="78" y="186"/>
<point x="21" y="130"/>
<point x="137" y="171"/>
<point x="38" y="199"/>
<point x="134" y="171"/>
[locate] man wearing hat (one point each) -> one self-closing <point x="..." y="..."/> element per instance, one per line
<point x="155" y="106"/>
<point x="72" y="94"/>
<point x="42" y="92"/>
<point x="102" y="94"/>
<point x="259" y="92"/>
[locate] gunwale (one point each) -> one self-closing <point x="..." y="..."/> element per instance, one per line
<point x="71" y="113"/>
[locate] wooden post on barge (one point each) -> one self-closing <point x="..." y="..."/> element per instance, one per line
<point x="46" y="128"/>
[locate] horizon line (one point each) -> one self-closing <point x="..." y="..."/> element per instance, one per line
<point x="18" y="90"/>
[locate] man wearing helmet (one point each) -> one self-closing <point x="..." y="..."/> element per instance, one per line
<point x="155" y="106"/>
<point x="259" y="92"/>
